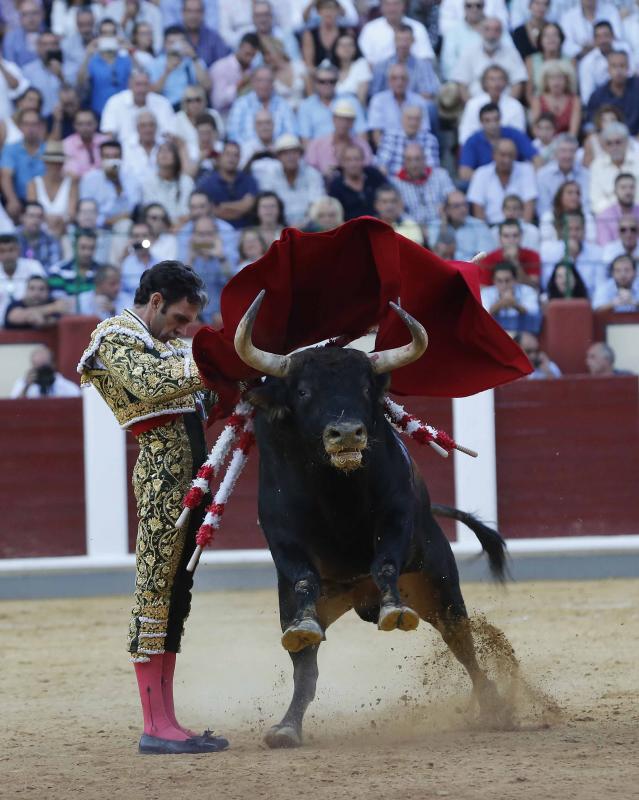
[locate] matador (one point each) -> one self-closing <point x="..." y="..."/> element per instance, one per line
<point x="148" y="378"/>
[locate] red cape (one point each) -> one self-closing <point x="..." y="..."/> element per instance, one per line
<point x="339" y="283"/>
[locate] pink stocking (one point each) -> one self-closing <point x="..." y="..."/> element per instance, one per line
<point x="157" y="721"/>
<point x="168" y="670"/>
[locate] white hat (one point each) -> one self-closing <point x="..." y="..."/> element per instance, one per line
<point x="287" y="141"/>
<point x="344" y="108"/>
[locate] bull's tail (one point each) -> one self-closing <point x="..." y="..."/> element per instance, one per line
<point x="492" y="543"/>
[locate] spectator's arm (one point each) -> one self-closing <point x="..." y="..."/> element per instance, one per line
<point x="518" y="90"/>
<point x="575" y="117"/>
<point x="12" y="201"/>
<point x="308" y="49"/>
<point x="234" y="209"/>
<point x="12" y="81"/>
<point x="529" y="210"/>
<point x="478" y="211"/>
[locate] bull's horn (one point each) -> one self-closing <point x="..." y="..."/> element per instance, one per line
<point x="388" y="360"/>
<point x="266" y="363"/>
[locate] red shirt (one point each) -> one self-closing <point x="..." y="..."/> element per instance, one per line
<point x="529" y="260"/>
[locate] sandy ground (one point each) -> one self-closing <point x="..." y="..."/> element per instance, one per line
<point x="392" y="718"/>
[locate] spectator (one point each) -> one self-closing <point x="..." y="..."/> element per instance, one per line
<point x="15" y="271"/>
<point x="587" y="257"/>
<point x="315" y="116"/>
<point x="241" y="120"/>
<point x="296" y="183"/>
<point x="57" y="193"/>
<point x="231" y="75"/>
<point x="423" y="189"/>
<point x="61" y="122"/>
<point x="558" y="97"/>
<point x="422" y="79"/>
<point x="115" y="192"/>
<point x="593" y="146"/>
<point x="106" y="299"/>
<point x="252" y="246"/>
<point x="385" y="109"/>
<point x="13" y="87"/>
<point x="564" y="167"/>
<point x="260" y="147"/>
<point x="566" y="283"/>
<point x="459" y="38"/>
<point x="42" y="380"/>
<point x="82" y="148"/>
<point x="119" y="117"/>
<point x="526" y="36"/>
<point x="177" y="67"/>
<point x="608" y="219"/>
<point x="164" y="244"/>
<point x="491" y="183"/>
<point x="289" y="77"/>
<point x="324" y="214"/>
<point x="139" y="157"/>
<point x="355" y="185"/>
<point x="390" y="153"/>
<point x="200" y="145"/>
<point x="593" y="67"/>
<point x="209" y="145"/>
<point x="45" y="71"/>
<point x="325" y="152"/>
<point x="200" y="206"/>
<point x="33" y="240"/>
<point x="526" y="262"/>
<point x="451" y="13"/>
<point x="376" y="41"/>
<point x="620" y="292"/>
<point x="494" y="82"/>
<point x="445" y="245"/>
<point x="514" y="305"/>
<point x="551" y="39"/>
<point x="544" y="131"/>
<point x="76" y="275"/>
<point x="170" y="185"/>
<point x="138" y="257"/>
<point x="472" y="236"/>
<point x="22" y="161"/>
<point x="208" y="259"/>
<point x="76" y="43"/>
<point x="129" y="13"/>
<point x="86" y="218"/>
<point x="318" y="41"/>
<point x="207" y="43"/>
<point x="470" y="67"/>
<point x="231" y="192"/>
<point x="477" y="150"/>
<point x="600" y="361"/>
<point x="104" y="73"/>
<point x="567" y="200"/>
<point x="578" y="25"/>
<point x="354" y="74"/>
<point x="627" y="242"/>
<point x="388" y="207"/>
<point x="141" y="49"/>
<point x="19" y="44"/>
<point x="269" y="216"/>
<point x="617" y="157"/>
<point x="513" y="208"/>
<point x="622" y="91"/>
<point x="36" y="309"/>
<point x="543" y="367"/>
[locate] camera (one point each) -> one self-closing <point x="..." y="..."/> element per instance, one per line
<point x="53" y="55"/>
<point x="45" y="378"/>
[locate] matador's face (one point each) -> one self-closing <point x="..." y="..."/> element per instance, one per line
<point x="171" y="321"/>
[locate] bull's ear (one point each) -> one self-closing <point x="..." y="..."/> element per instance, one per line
<point x="271" y="398"/>
<point x="382" y="382"/>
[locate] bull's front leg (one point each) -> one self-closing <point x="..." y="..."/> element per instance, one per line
<point x="392" y="542"/>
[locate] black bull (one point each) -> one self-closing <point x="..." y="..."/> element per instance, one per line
<point x="349" y="522"/>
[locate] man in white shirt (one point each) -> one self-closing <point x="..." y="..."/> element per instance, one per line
<point x="474" y="60"/>
<point x="491" y="183"/>
<point x="620" y="292"/>
<point x="578" y="26"/>
<point x="593" y="67"/>
<point x="14" y="272"/>
<point x="42" y="380"/>
<point x="12" y="85"/>
<point x="514" y="305"/>
<point x="587" y="257"/>
<point x="377" y="39"/>
<point x="618" y="157"/>
<point x="494" y="82"/>
<point x="139" y="158"/>
<point x="119" y="118"/>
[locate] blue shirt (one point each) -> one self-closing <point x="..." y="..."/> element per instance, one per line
<point x="107" y="79"/>
<point x="96" y="186"/>
<point x="240" y="126"/>
<point x="177" y="80"/>
<point x="16" y="47"/>
<point x="219" y="191"/>
<point x="422" y="78"/>
<point x="45" y="82"/>
<point x="628" y="102"/>
<point x="385" y="113"/>
<point x="211" y="46"/>
<point x="314" y="119"/>
<point x="478" y="151"/>
<point x="24" y="165"/>
<point x="228" y="235"/>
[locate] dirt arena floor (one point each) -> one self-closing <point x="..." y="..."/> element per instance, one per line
<point x="392" y="718"/>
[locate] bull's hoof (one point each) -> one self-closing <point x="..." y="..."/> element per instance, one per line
<point x="400" y="618"/>
<point x="302" y="634"/>
<point x="283" y="736"/>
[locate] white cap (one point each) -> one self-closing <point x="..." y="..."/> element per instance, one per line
<point x="287" y="141"/>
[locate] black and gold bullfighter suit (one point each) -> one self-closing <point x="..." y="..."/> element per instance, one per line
<point x="152" y="388"/>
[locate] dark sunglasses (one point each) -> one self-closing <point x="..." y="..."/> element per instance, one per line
<point x="193" y="99"/>
<point x="473" y="5"/>
<point x="325" y="81"/>
<point x="629" y="229"/>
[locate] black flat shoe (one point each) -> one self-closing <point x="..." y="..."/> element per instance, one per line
<point x="221" y="742"/>
<point x="156" y="746"/>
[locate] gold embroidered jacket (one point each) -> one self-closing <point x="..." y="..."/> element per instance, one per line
<point x="137" y="375"/>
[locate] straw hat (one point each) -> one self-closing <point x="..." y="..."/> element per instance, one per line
<point x="53" y="152"/>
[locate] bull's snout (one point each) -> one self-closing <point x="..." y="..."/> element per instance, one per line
<point x="344" y="442"/>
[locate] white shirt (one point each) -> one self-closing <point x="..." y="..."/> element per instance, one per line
<point x="475" y="59"/>
<point x="614" y="249"/>
<point x="593" y="69"/>
<point x="487" y="190"/>
<point x="138" y="163"/>
<point x="589" y="263"/>
<point x="7" y="95"/>
<point x="579" y="31"/>
<point x="524" y="295"/>
<point x="512" y="114"/>
<point x="606" y="292"/>
<point x="451" y="14"/>
<point x="377" y="40"/>
<point x="13" y="288"/>
<point x="61" y="387"/>
<point x="120" y="115"/>
<point x="359" y="72"/>
<point x="308" y="187"/>
<point x="602" y="179"/>
<point x="184" y="128"/>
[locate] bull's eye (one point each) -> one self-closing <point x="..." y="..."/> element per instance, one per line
<point x="367" y="391"/>
<point x="302" y="393"/>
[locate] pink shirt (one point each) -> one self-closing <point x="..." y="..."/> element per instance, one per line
<point x="320" y="152"/>
<point x="608" y="223"/>
<point x="80" y="159"/>
<point x="225" y="74"/>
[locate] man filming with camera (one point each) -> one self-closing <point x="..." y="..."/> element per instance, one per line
<point x="42" y="380"/>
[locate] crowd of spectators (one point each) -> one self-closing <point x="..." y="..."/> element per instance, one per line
<point x="133" y="131"/>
